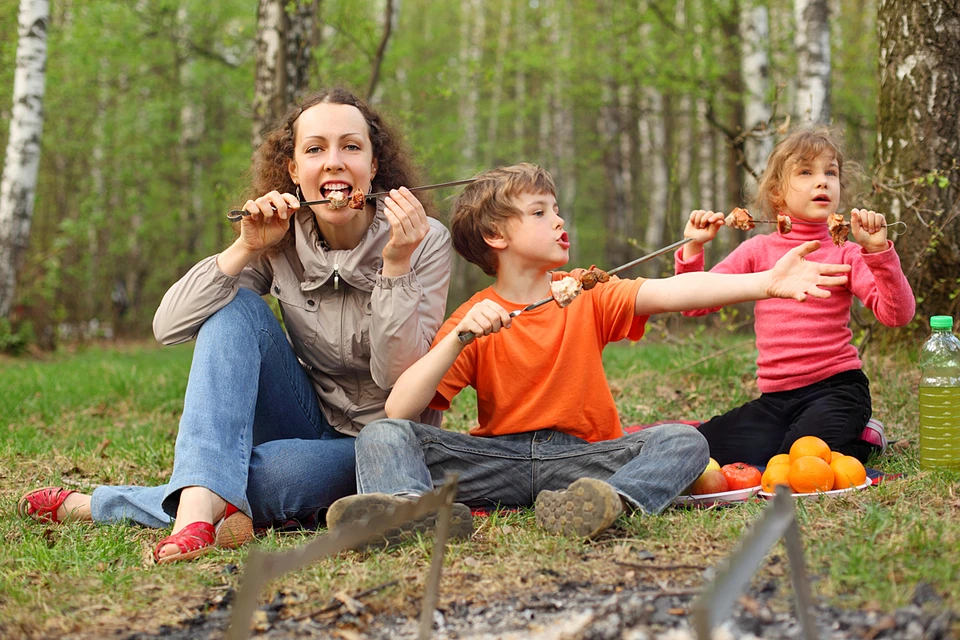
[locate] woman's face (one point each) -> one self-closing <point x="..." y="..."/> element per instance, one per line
<point x="332" y="152"/>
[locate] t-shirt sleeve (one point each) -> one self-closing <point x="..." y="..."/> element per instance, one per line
<point x="616" y="306"/>
<point x="462" y="372"/>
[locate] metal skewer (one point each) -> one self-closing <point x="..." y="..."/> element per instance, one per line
<point x="466" y="337"/>
<point x="237" y="214"/>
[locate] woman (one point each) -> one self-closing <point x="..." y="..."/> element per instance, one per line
<point x="267" y="426"/>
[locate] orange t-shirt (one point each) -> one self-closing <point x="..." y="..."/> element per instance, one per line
<point x="546" y="370"/>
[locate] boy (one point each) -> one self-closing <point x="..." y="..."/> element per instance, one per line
<point x="549" y="432"/>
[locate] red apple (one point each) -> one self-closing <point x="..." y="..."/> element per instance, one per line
<point x="711" y="481"/>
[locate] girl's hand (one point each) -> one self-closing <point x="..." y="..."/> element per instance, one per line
<point x="794" y="277"/>
<point x="484" y="318"/>
<point x="408" y="227"/>
<point x="268" y="221"/>
<point x="869" y="230"/>
<point x="702" y="226"/>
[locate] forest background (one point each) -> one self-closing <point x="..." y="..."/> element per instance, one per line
<point x="642" y="109"/>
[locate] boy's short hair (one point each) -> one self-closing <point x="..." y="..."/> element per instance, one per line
<point x="485" y="205"/>
<point x="804" y="144"/>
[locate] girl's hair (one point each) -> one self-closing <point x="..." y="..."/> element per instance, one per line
<point x="395" y="168"/>
<point x="802" y="145"/>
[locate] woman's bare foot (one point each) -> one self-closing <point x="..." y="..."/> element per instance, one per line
<point x="197" y="504"/>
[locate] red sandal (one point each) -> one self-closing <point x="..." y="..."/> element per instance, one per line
<point x="42" y="504"/>
<point x="235" y="529"/>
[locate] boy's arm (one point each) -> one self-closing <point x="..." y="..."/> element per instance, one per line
<point x="417" y="385"/>
<point x="792" y="277"/>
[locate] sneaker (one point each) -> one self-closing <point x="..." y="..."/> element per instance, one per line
<point x="874" y="434"/>
<point x="586" y="508"/>
<point x="363" y="506"/>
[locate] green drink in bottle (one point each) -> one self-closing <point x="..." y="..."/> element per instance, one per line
<point x="940" y="396"/>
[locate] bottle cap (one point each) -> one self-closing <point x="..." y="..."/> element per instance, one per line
<point x="941" y="322"/>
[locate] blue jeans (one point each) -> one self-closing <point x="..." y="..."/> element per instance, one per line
<point x="251" y="431"/>
<point x="648" y="469"/>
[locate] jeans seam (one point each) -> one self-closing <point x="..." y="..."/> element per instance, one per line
<point x="296" y="387"/>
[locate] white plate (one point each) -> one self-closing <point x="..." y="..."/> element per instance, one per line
<point x="708" y="499"/>
<point x="817" y="494"/>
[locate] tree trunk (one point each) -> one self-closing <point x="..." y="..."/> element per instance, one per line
<point x="564" y="172"/>
<point x="755" y="34"/>
<point x="496" y="100"/>
<point x="653" y="151"/>
<point x="285" y="32"/>
<point x="812" y="42"/>
<point x="918" y="145"/>
<point x="22" y="160"/>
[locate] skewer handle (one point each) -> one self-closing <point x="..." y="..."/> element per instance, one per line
<point x="237" y="214"/>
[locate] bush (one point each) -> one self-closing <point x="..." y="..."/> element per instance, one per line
<point x="15" y="340"/>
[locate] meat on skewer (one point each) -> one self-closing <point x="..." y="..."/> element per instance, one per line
<point x="565" y="290"/>
<point x="357" y="200"/>
<point x="337" y="200"/>
<point x="740" y="219"/>
<point x="838" y="228"/>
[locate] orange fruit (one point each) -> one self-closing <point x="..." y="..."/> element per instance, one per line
<point x="848" y="472"/>
<point x="810" y="446"/>
<point x="780" y="458"/>
<point x="809" y="474"/>
<point x="834" y="455"/>
<point x="774" y="475"/>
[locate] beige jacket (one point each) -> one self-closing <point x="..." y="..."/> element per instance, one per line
<point x="354" y="330"/>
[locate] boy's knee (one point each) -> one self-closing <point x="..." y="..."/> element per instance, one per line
<point x="386" y="432"/>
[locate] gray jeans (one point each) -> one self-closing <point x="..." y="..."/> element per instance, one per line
<point x="648" y="469"/>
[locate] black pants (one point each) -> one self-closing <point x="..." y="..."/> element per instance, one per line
<point x="835" y="410"/>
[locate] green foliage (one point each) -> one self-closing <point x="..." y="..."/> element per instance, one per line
<point x="14" y="341"/>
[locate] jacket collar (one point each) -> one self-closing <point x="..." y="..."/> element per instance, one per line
<point x="358" y="267"/>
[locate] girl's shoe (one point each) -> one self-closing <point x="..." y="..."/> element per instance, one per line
<point x="42" y="504"/>
<point x="198" y="538"/>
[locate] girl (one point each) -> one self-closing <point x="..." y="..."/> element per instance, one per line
<point x="267" y="427"/>
<point x="809" y="373"/>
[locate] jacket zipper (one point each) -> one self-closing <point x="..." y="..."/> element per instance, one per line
<point x="336" y="277"/>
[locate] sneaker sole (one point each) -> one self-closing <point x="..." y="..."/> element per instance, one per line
<point x="586" y="508"/>
<point x="353" y="509"/>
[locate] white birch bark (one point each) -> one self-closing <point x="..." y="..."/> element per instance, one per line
<point x="754" y="36"/>
<point x="652" y="135"/>
<point x="471" y="53"/>
<point x="706" y="174"/>
<point x="496" y="99"/>
<point x="520" y="83"/>
<point x="812" y="43"/>
<point x="563" y="118"/>
<point x="22" y="159"/>
<point x="270" y="69"/>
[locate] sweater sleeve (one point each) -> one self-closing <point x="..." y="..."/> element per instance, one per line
<point x="200" y="293"/>
<point x="408" y="310"/>
<point x="737" y="262"/>
<point x="878" y="280"/>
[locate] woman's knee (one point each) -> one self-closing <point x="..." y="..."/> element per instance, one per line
<point x="247" y="309"/>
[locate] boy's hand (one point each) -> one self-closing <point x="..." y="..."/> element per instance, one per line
<point x="408" y="227"/>
<point x="869" y="230"/>
<point x="702" y="227"/>
<point x="794" y="277"/>
<point x="484" y="318"/>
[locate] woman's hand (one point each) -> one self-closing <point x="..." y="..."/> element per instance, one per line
<point x="268" y="221"/>
<point x="794" y="277"/>
<point x="408" y="227"/>
<point x="869" y="230"/>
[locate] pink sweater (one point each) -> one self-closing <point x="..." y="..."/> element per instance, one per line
<point x="800" y="343"/>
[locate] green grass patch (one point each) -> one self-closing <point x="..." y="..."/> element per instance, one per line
<point x="109" y="416"/>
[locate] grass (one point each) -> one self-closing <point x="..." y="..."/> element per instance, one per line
<point x="109" y="416"/>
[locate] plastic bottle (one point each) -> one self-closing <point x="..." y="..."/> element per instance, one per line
<point x="940" y="396"/>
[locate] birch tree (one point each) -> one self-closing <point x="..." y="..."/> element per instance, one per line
<point x="812" y="42"/>
<point x="917" y="143"/>
<point x="755" y="34"/>
<point x="285" y="34"/>
<point x="22" y="159"/>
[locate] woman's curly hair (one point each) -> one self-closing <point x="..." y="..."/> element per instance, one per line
<point x="395" y="168"/>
